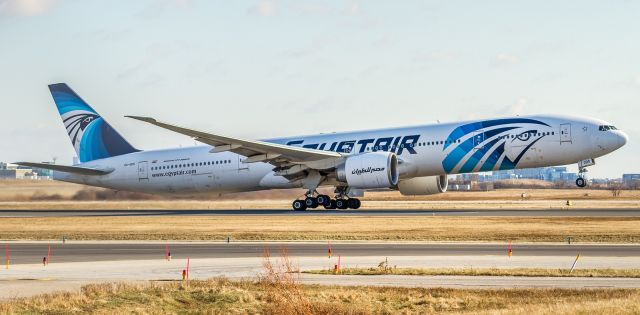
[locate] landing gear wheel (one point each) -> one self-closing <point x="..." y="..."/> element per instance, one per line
<point x="311" y="202"/>
<point x="581" y="182"/>
<point x="324" y="200"/>
<point x="298" y="205"/>
<point x="353" y="203"/>
<point x="332" y="204"/>
<point x="342" y="204"/>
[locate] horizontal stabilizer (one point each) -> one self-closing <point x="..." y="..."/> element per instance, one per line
<point x="68" y="169"/>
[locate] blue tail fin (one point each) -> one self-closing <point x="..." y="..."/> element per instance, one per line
<point x="91" y="136"/>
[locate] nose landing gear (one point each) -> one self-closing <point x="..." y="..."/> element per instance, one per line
<point x="581" y="181"/>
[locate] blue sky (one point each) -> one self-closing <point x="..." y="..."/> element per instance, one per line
<point x="273" y="68"/>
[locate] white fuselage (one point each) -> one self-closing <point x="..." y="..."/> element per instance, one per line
<point x="428" y="150"/>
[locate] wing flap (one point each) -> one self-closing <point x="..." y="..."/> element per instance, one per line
<point x="68" y="169"/>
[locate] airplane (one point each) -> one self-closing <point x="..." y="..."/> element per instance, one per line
<point x="413" y="160"/>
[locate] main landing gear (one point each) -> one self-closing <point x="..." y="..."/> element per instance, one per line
<point x="313" y="201"/>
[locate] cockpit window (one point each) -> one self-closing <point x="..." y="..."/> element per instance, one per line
<point x="607" y="128"/>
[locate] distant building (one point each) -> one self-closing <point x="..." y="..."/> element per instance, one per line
<point x="549" y="174"/>
<point x="631" y="180"/>
<point x="12" y="171"/>
<point x="18" y="174"/>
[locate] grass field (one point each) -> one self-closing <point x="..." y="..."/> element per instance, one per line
<point x="393" y="228"/>
<point x="515" y="272"/>
<point x="226" y="297"/>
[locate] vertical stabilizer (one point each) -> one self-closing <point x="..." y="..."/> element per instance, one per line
<point x="91" y="136"/>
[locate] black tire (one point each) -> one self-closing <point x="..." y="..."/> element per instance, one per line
<point x="311" y="202"/>
<point x="342" y="204"/>
<point x="324" y="200"/>
<point x="332" y="204"/>
<point x="353" y="203"/>
<point x="298" y="205"/>
<point x="581" y="182"/>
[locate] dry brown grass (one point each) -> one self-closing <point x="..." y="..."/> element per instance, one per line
<point x="393" y="228"/>
<point x="222" y="296"/>
<point x="27" y="190"/>
<point x="515" y="272"/>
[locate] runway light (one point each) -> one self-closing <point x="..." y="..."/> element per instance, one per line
<point x="167" y="255"/>
<point x="330" y="253"/>
<point x="509" y="250"/>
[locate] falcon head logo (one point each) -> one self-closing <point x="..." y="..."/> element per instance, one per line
<point x="76" y="122"/>
<point x="492" y="144"/>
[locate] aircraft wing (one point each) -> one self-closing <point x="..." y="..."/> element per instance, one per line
<point x="68" y="169"/>
<point x="256" y="151"/>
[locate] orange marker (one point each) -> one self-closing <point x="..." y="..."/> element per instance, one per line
<point x="188" y="269"/>
<point x="330" y="253"/>
<point x="509" y="252"/>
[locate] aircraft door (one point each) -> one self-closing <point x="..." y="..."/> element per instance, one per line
<point x="242" y="167"/>
<point x="143" y="171"/>
<point x="565" y="133"/>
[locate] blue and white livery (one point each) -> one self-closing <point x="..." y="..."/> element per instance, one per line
<point x="413" y="160"/>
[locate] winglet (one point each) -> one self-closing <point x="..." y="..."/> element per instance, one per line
<point x="145" y="119"/>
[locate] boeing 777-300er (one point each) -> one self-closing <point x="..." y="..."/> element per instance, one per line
<point x="413" y="160"/>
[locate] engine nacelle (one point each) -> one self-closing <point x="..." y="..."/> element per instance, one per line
<point x="428" y="185"/>
<point x="370" y="170"/>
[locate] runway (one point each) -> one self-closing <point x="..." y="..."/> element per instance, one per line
<point x="318" y="212"/>
<point x="30" y="253"/>
<point x="77" y="263"/>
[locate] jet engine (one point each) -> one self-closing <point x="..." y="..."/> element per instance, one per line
<point x="428" y="185"/>
<point x="370" y="170"/>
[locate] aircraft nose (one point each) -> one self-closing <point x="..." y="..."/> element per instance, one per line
<point x="622" y="139"/>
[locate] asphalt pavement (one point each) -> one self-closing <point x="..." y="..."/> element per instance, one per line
<point x="29" y="253"/>
<point x="571" y="212"/>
